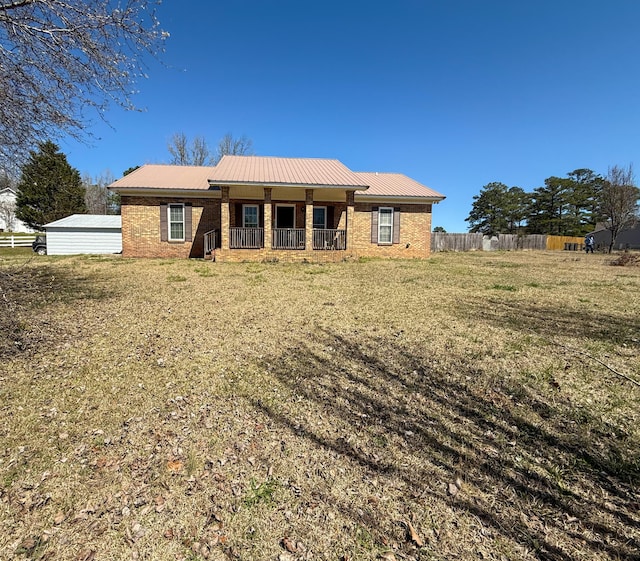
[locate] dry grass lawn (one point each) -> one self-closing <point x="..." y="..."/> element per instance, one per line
<point x="473" y="406"/>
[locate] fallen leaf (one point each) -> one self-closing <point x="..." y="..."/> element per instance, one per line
<point x="59" y="518"/>
<point x="175" y="466"/>
<point x="27" y="545"/>
<point x="388" y="556"/>
<point x="169" y="534"/>
<point x="160" y="503"/>
<point x="86" y="555"/>
<point x="453" y="489"/>
<point x="289" y="545"/>
<point x="415" y="538"/>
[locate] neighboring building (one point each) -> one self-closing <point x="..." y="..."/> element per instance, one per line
<point x="84" y="233"/>
<point x="626" y="239"/>
<point x="252" y="208"/>
<point x="8" y="220"/>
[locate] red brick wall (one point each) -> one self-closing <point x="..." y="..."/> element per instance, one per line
<point x="141" y="227"/>
<point x="141" y="233"/>
<point x="415" y="232"/>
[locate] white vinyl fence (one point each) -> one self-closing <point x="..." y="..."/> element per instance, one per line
<point x="16" y="241"/>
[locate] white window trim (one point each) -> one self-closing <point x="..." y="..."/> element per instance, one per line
<point x="325" y="216"/>
<point x="280" y="205"/>
<point x="380" y="209"/>
<point x="169" y="222"/>
<point x="257" y="207"/>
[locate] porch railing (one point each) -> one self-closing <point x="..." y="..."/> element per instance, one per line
<point x="210" y="239"/>
<point x="330" y="239"/>
<point x="246" y="238"/>
<point x="288" y="238"/>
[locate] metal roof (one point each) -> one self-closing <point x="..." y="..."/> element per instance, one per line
<point x="87" y="221"/>
<point x="272" y="171"/>
<point x="160" y="176"/>
<point x="395" y="185"/>
<point x="297" y="172"/>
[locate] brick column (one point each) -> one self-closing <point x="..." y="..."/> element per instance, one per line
<point x="350" y="224"/>
<point x="268" y="237"/>
<point x="308" y="219"/>
<point x="224" y="221"/>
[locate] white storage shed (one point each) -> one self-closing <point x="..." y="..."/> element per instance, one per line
<point x="84" y="233"/>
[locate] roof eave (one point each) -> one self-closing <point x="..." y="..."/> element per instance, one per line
<point x="215" y="183"/>
<point x="365" y="197"/>
<point x="163" y="191"/>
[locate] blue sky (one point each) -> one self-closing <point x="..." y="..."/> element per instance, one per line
<point x="453" y="93"/>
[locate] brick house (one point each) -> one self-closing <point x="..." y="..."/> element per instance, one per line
<point x="253" y="208"/>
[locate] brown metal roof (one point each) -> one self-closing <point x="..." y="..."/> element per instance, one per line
<point x="153" y="176"/>
<point x="395" y="185"/>
<point x="284" y="171"/>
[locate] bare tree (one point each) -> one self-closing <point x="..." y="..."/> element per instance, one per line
<point x="8" y="214"/>
<point x="228" y="145"/>
<point x="200" y="155"/>
<point x="619" y="201"/>
<point x="97" y="198"/>
<point x="197" y="152"/>
<point x="179" y="150"/>
<point x="185" y="154"/>
<point x="60" y="57"/>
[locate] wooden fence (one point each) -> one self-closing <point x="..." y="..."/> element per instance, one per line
<point x="441" y="241"/>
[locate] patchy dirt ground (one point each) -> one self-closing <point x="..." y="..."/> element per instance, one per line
<point x="473" y="406"/>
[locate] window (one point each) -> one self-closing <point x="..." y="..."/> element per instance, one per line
<point x="385" y="225"/>
<point x="176" y="223"/>
<point x="249" y="216"/>
<point x="320" y="217"/>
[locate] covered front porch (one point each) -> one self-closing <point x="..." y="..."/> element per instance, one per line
<point x="277" y="224"/>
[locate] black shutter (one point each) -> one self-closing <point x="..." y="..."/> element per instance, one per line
<point x="396" y="225"/>
<point x="187" y="223"/>
<point x="374" y="224"/>
<point x="330" y="218"/>
<point x="164" y="236"/>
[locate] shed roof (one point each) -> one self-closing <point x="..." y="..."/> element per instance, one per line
<point x="395" y="185"/>
<point x="162" y="176"/>
<point x="284" y="171"/>
<point x="87" y="221"/>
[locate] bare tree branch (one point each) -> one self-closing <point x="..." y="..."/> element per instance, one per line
<point x="228" y="145"/>
<point x="178" y="148"/>
<point x="63" y="60"/>
<point x="619" y="201"/>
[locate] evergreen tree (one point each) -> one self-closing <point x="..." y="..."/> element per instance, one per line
<point x="49" y="188"/>
<point x="515" y="209"/>
<point x="582" y="199"/>
<point x="550" y="204"/>
<point x="488" y="215"/>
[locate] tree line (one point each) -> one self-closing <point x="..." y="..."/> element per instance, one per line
<point x="564" y="206"/>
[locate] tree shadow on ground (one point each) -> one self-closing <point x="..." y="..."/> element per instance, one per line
<point x="28" y="293"/>
<point x="554" y="482"/>
<point x="551" y="321"/>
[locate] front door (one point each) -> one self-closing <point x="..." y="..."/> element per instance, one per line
<point x="285" y="216"/>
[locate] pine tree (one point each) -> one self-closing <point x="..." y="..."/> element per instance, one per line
<point x="49" y="188"/>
